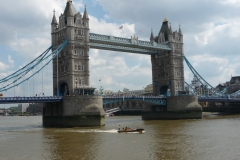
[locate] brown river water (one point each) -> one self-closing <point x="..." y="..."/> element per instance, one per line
<point x="215" y="137"/>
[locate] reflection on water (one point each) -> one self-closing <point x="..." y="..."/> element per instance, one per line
<point x="214" y="137"/>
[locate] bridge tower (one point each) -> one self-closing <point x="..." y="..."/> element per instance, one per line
<point x="167" y="66"/>
<point x="80" y="107"/>
<point x="168" y="79"/>
<point x="71" y="68"/>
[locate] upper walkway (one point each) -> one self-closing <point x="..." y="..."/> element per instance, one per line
<point x="132" y="45"/>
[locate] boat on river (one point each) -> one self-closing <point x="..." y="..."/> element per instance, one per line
<point x="139" y="130"/>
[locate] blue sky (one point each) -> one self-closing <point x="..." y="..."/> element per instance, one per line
<point x="210" y="30"/>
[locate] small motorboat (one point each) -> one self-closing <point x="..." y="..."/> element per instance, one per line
<point x="139" y="130"/>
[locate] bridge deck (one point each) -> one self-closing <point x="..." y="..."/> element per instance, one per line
<point x="5" y="100"/>
<point x="108" y="99"/>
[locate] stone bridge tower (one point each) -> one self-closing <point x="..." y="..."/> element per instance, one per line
<point x="167" y="66"/>
<point x="71" y="67"/>
<point x="71" y="75"/>
<point x="168" y="79"/>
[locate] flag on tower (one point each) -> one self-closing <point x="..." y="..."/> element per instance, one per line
<point x="121" y="27"/>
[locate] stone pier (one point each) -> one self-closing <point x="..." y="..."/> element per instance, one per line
<point x="74" y="111"/>
<point x="178" y="107"/>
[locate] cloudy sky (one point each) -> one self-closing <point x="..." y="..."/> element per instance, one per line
<point x="211" y="31"/>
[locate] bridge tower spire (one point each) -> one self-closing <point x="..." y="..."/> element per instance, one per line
<point x="54" y="25"/>
<point x="72" y="63"/>
<point x="152" y="39"/>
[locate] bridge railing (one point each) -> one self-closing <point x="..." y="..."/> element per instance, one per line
<point x="30" y="98"/>
<point x="119" y="40"/>
<point x="136" y="97"/>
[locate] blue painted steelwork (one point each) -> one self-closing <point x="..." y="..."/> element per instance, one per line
<point x="151" y="99"/>
<point x="26" y="68"/>
<point x="161" y="100"/>
<point x="211" y="90"/>
<point x="224" y="91"/>
<point x="192" y="90"/>
<point x="216" y="99"/>
<point x="22" y="74"/>
<point x="134" y="45"/>
<point x="235" y="93"/>
<point x="158" y="100"/>
<point x="122" y="48"/>
<point x="5" y="100"/>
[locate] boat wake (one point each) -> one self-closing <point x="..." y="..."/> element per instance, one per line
<point x="92" y="131"/>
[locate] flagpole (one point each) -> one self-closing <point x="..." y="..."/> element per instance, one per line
<point x="122" y="31"/>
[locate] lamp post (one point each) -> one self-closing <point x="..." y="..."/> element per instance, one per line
<point x="57" y="77"/>
<point x="83" y="89"/>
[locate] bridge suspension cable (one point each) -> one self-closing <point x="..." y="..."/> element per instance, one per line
<point x="24" y="74"/>
<point x="190" y="88"/>
<point x="210" y="89"/>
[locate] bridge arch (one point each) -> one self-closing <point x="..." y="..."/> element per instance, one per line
<point x="165" y="90"/>
<point x="63" y="89"/>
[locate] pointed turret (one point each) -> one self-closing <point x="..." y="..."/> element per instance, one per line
<point x="170" y="29"/>
<point x="180" y="31"/>
<point x="54" y="20"/>
<point x="152" y="36"/>
<point x="85" y="15"/>
<point x="165" y="29"/>
<point x="69" y="10"/>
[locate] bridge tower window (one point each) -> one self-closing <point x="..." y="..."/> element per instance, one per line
<point x="82" y="68"/>
<point x="80" y="32"/>
<point x="162" y="63"/>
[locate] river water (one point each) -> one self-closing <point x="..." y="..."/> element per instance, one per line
<point x="215" y="137"/>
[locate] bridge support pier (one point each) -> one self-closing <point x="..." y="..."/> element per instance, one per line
<point x="178" y="107"/>
<point x="74" y="111"/>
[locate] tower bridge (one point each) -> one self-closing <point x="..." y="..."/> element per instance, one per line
<point x="71" y="42"/>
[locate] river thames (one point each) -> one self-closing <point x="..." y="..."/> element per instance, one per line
<point x="215" y="137"/>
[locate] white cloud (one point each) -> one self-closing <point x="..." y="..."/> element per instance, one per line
<point x="102" y="27"/>
<point x="10" y="60"/>
<point x="3" y="66"/>
<point x="2" y="75"/>
<point x="211" y="38"/>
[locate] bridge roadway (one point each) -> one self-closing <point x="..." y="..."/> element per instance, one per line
<point x="109" y="99"/>
<point x="5" y="100"/>
<point x="215" y="99"/>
